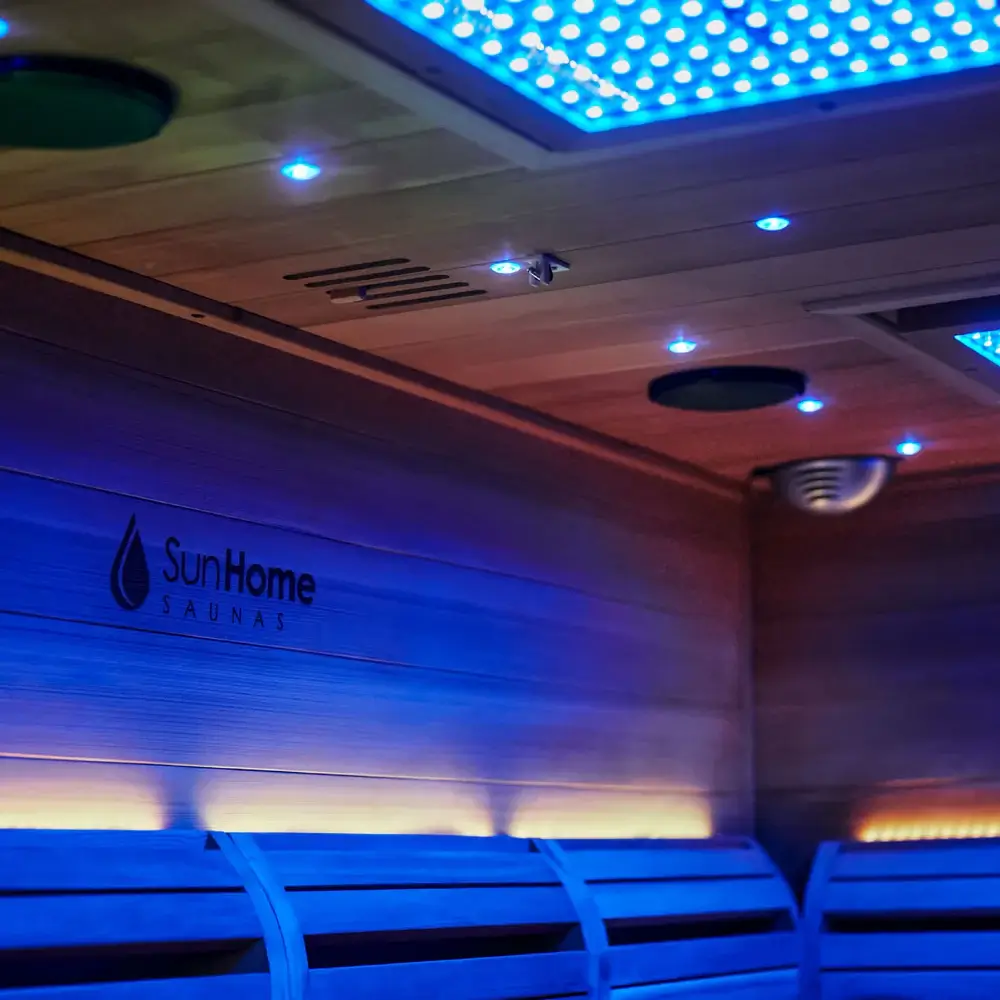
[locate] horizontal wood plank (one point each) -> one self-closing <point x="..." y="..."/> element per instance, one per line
<point x="677" y="960"/>
<point x="507" y="978"/>
<point x="917" y="896"/>
<point x="65" y="861"/>
<point x="926" y="860"/>
<point x="77" y="921"/>
<point x="923" y="950"/>
<point x="943" y="985"/>
<point x="624" y="901"/>
<point x="667" y="862"/>
<point x="335" y="714"/>
<point x="780" y="985"/>
<point x="331" y="869"/>
<point x="250" y="986"/>
<point x="367" y="911"/>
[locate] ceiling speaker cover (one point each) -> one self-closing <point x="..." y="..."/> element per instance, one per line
<point x="833" y="485"/>
<point x="70" y="102"/>
<point x="727" y="388"/>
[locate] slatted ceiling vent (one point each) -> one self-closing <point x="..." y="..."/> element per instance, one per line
<point x="394" y="283"/>
<point x="216" y="917"/>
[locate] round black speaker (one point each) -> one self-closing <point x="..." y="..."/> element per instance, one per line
<point x="71" y="102"/>
<point x="727" y="388"/>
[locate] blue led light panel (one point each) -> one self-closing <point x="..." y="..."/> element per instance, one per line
<point x="606" y="64"/>
<point x="986" y="344"/>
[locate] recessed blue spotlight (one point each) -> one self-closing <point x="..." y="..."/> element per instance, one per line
<point x="681" y="346"/>
<point x="505" y="267"/>
<point x="909" y="447"/>
<point x="4" y="27"/>
<point x="810" y="405"/>
<point x="300" y="170"/>
<point x="773" y="223"/>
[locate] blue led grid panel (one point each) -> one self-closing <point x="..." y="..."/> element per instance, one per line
<point x="606" y="64"/>
<point x="986" y="344"/>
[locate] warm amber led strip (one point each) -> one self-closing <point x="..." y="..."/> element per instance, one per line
<point x="930" y="830"/>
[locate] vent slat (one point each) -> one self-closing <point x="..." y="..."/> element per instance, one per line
<point x="396" y="283"/>
<point x="428" y="298"/>
<point x="402" y="293"/>
<point x="362" y="279"/>
<point x="367" y="265"/>
<point x="392" y="283"/>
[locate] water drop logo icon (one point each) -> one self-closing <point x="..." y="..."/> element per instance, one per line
<point x="130" y="571"/>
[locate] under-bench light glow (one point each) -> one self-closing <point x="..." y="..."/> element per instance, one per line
<point x="986" y="344"/>
<point x="600" y="815"/>
<point x="77" y="795"/>
<point x="606" y="64"/>
<point x="951" y="829"/>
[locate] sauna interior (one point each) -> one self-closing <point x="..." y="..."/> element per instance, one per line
<point x="499" y="499"/>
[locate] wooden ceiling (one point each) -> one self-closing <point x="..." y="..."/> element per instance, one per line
<point x="659" y="243"/>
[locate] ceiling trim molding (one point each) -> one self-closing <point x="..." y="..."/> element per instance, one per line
<point x="948" y="479"/>
<point x="900" y="298"/>
<point x="65" y="265"/>
<point x="860" y="327"/>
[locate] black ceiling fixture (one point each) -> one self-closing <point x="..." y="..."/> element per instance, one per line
<point x="727" y="388"/>
<point x="73" y="102"/>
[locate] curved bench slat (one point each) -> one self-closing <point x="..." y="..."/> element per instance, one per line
<point x="911" y="921"/>
<point x="250" y="986"/>
<point x="507" y="978"/>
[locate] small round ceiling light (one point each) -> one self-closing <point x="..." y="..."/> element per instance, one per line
<point x="773" y="223"/>
<point x="300" y="170"/>
<point x="909" y="448"/>
<point x="727" y="388"/>
<point x="505" y="267"/>
<point x="682" y="345"/>
<point x="810" y="405"/>
<point x="4" y="28"/>
<point x="74" y="102"/>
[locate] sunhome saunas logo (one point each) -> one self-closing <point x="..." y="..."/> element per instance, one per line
<point x="214" y="588"/>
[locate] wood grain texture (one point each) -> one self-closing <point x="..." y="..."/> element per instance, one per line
<point x="506" y="978"/>
<point x="915" y="909"/>
<point x="660" y="241"/>
<point x="875" y="665"/>
<point x="84" y="908"/>
<point x="519" y="634"/>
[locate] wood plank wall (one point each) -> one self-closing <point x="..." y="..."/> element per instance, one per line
<point x="502" y="635"/>
<point x="877" y="677"/>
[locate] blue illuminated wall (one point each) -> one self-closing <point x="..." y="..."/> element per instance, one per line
<point x="606" y="64"/>
<point x="876" y="686"/>
<point x="501" y="634"/>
